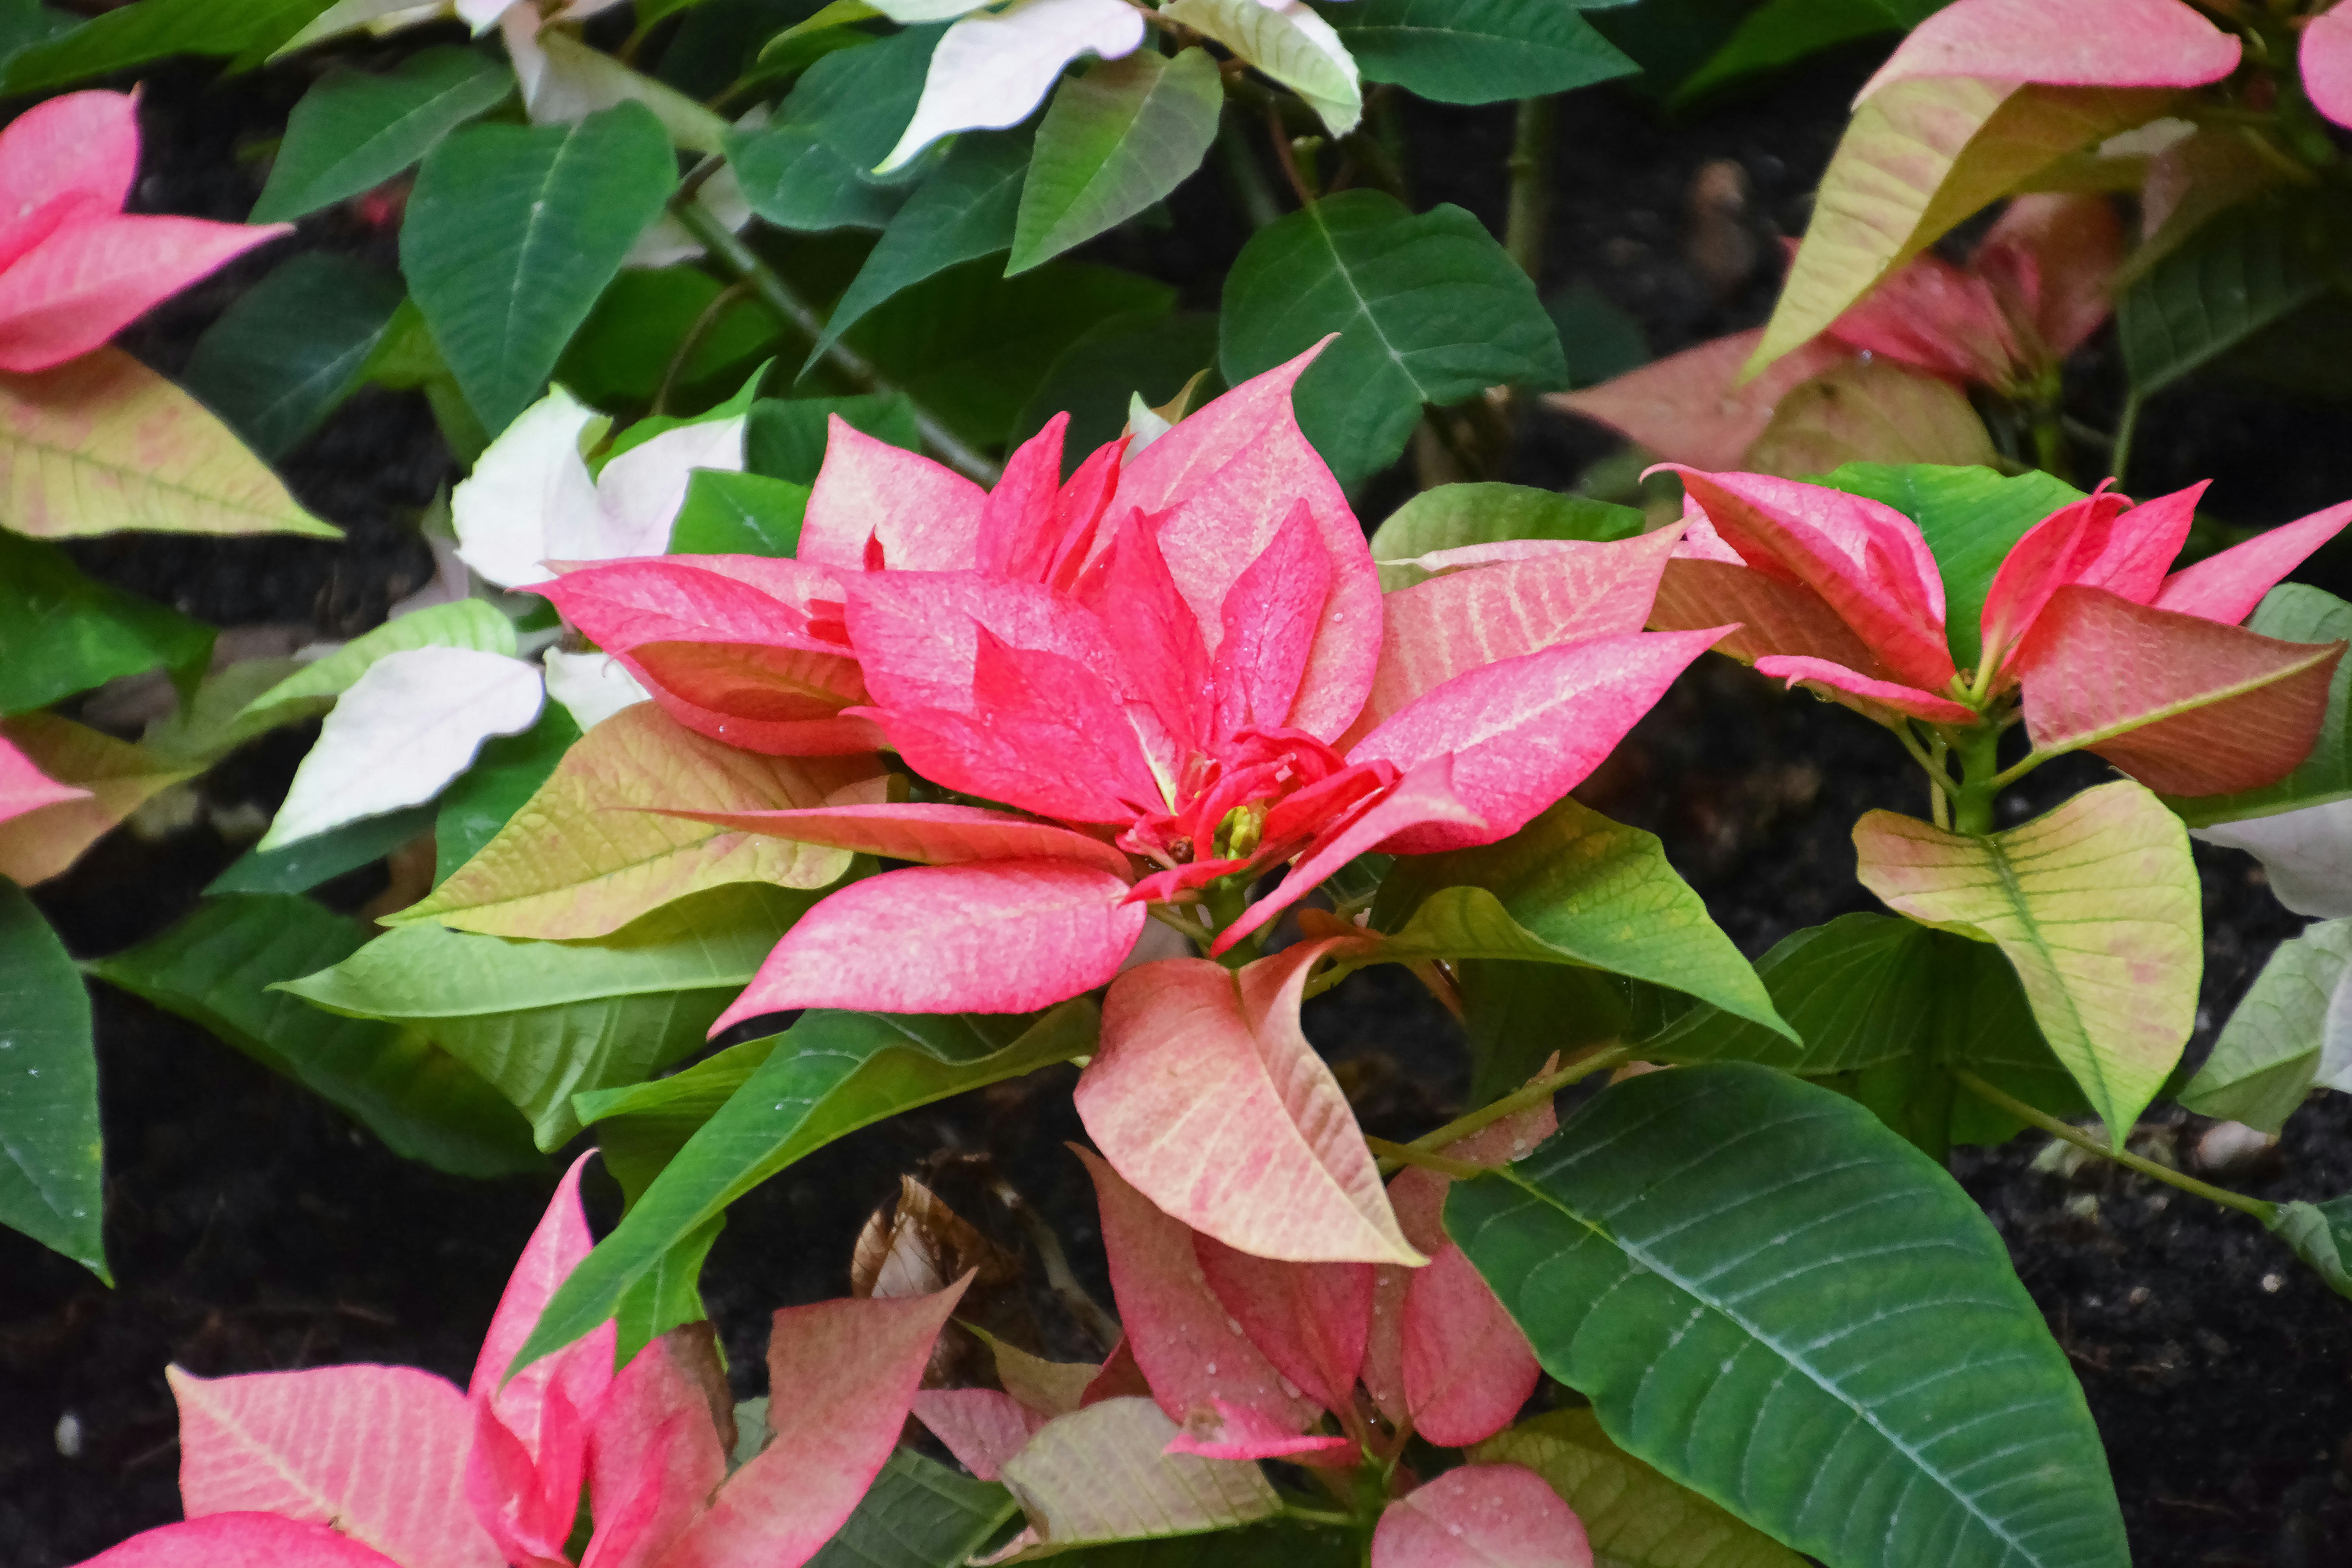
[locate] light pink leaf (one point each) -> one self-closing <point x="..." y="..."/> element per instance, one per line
<point x="2187" y="706"/>
<point x="1310" y="1320"/>
<point x="926" y="834"/>
<point x="1767" y="614"/>
<point x="696" y="598"/>
<point x="1481" y="1516"/>
<point x="2227" y="587"/>
<point x="1866" y="559"/>
<point x="25" y="788"/>
<point x="242" y="1541"/>
<point x="1206" y="1096"/>
<point x="920" y="516"/>
<point x="1016" y="520"/>
<point x="377" y="1451"/>
<point x="1190" y="1350"/>
<point x="655" y="1455"/>
<point x="82" y="144"/>
<point x="2053" y="552"/>
<point x="1229" y="1431"/>
<point x="1271" y="616"/>
<point x="1692" y="407"/>
<point x="2055" y="254"/>
<point x="982" y="1428"/>
<point x="1004" y="936"/>
<point x="1463" y="1367"/>
<point x="111" y="778"/>
<point x="94" y="277"/>
<point x="1028" y="706"/>
<point x="1884" y="701"/>
<point x="2326" y="58"/>
<point x="1228" y="477"/>
<point x="1160" y="642"/>
<point x="2086" y="43"/>
<point x="1524" y="732"/>
<point x="918" y="634"/>
<point x="1932" y="315"/>
<point x="1435" y="629"/>
<point x="842" y="1376"/>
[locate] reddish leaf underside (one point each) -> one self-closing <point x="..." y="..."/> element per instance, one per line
<point x="926" y="834"/>
<point x="1481" y="1516"/>
<point x="2326" y="58"/>
<point x="25" y="788"/>
<point x="925" y="518"/>
<point x="1692" y="407"/>
<point x="982" y="1428"/>
<point x="1309" y="1319"/>
<point x="2226" y="587"/>
<point x="242" y="1541"/>
<point x="2087" y="43"/>
<point x="655" y="1455"/>
<point x="1884" y="701"/>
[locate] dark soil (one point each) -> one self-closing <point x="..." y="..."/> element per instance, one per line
<point x="252" y="1228"/>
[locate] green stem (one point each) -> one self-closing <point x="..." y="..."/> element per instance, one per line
<point x="727" y="249"/>
<point x="2120" y="457"/>
<point x="1224" y="902"/>
<point x="1406" y="1154"/>
<point x="1530" y="169"/>
<point x="1511" y="1105"/>
<point x="1938" y="781"/>
<point x="2068" y="1132"/>
<point x="1979" y="783"/>
<point x="1251" y="189"/>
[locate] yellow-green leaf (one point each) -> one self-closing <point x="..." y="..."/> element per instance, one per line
<point x="590" y="852"/>
<point x="2096" y="905"/>
<point x="1871" y="410"/>
<point x="1296" y="48"/>
<point x="1920" y="156"/>
<point x="102" y="444"/>
<point x="118" y="775"/>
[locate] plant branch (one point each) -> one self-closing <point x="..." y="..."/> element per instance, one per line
<point x="2068" y="1132"/>
<point x="1059" y="1279"/>
<point x="1249" y="184"/>
<point x="1394" y="1155"/>
<point x="1531" y="170"/>
<point x="2119" y="455"/>
<point x="727" y="249"/>
<point x="693" y="340"/>
<point x="1511" y="1105"/>
<point x="1286" y="155"/>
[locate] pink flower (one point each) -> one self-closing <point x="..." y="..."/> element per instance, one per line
<point x="75" y="270"/>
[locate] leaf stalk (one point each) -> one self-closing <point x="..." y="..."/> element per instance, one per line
<point x="2067" y="1131"/>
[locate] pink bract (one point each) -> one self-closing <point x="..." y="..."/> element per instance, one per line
<point x="2084" y="43"/>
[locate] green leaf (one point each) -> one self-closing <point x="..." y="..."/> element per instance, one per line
<point x="784" y="437"/>
<point x="1516" y="1014"/>
<point x="2255" y="264"/>
<point x="508" y="771"/>
<point x="2097" y="905"/>
<point x="303" y="865"/>
<point x="154" y="30"/>
<point x="61" y="632"/>
<point x="2293" y="612"/>
<point x="966" y="209"/>
<point x="858" y="101"/>
<point x="1428" y="308"/>
<point x="1778" y="1303"/>
<point x="1276" y="1543"/>
<point x="917" y="1514"/>
<point x="2268" y="1055"/>
<point x="829" y="1075"/>
<point x="1570" y="887"/>
<point x="624" y="352"/>
<point x="1095" y="377"/>
<point x="1114" y="141"/>
<point x="641" y="1128"/>
<point x="1870" y="408"/>
<point x="1782" y="32"/>
<point x="1970" y="516"/>
<point x="2321" y="1235"/>
<point x="1476" y="51"/>
<point x="1632" y="1516"/>
<point x="51" y="1187"/>
<point x="289" y="351"/>
<point x="1103" y="1473"/>
<point x="669" y="1297"/>
<point x="738" y="514"/>
<point x="25" y="23"/>
<point x="1601" y="339"/>
<point x="469" y="624"/>
<point x="353" y="131"/>
<point x="1919" y="157"/>
<point x="544" y="1019"/>
<point x="796" y="179"/>
<point x="1281" y="50"/>
<point x="513" y="232"/>
<point x="1452" y="516"/>
<point x="216" y="968"/>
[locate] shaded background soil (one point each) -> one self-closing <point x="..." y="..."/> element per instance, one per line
<point x="252" y="1227"/>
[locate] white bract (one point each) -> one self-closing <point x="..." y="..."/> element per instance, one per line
<point x="2307" y="855"/>
<point x="531" y="500"/>
<point x="402" y="731"/>
<point x="591" y="687"/>
<point x="992" y="69"/>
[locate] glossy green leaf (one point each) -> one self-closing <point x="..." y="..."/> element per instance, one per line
<point x="1970" y="516"/>
<point x="1450" y="517"/>
<point x="513" y="232"/>
<point x="61" y="632"/>
<point x="154" y="30"/>
<point x="1782" y="32"/>
<point x="796" y="179"/>
<point x="1093" y="378"/>
<point x="1778" y="1302"/>
<point x="543" y="1021"/>
<point x="353" y="131"/>
<point x="1476" y="51"/>
<point x="287" y="352"/>
<point x="1516" y="1014"/>
<point x="25" y="23"/>
<point x="1919" y="157"/>
<point x="1114" y="141"/>
<point x="858" y="101"/>
<point x="2268" y="1055"/>
<point x="1570" y="887"/>
<point x="2294" y="613"/>
<point x="2321" y="1235"/>
<point x="216" y="968"/>
<point x="629" y="347"/>
<point x="784" y="438"/>
<point x="2096" y="903"/>
<point x="468" y="624"/>
<point x="1428" y="307"/>
<point x="669" y="1296"/>
<point x="51" y="1187"/>
<point x="485" y="797"/>
<point x="917" y="1514"/>
<point x="829" y="1075"/>
<point x="2253" y="265"/>
<point x="303" y="865"/>
<point x="738" y="514"/>
<point x="966" y="209"/>
<point x="640" y="1128"/>
<point x="1633" y="1516"/>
